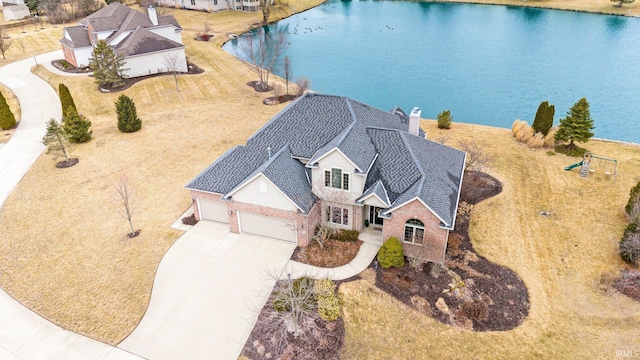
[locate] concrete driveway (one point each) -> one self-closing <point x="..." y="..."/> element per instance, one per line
<point x="208" y="291"/>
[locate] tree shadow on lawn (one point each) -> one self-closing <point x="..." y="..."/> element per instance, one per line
<point x="497" y="288"/>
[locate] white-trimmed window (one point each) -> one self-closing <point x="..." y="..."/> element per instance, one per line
<point x="336" y="178"/>
<point x="337" y="215"/>
<point x="414" y="231"/>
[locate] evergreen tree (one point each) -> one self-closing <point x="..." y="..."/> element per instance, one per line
<point x="77" y="127"/>
<point x="444" y="120"/>
<point x="577" y="125"/>
<point x="55" y="139"/>
<point x="544" y="118"/>
<point x="107" y="66"/>
<point x="66" y="100"/>
<point x="128" y="120"/>
<point x="7" y="119"/>
<point x="391" y="253"/>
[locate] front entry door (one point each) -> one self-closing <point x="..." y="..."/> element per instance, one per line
<point x="374" y="219"/>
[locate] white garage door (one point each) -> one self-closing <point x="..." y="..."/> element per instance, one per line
<point x="213" y="210"/>
<point x="267" y="226"/>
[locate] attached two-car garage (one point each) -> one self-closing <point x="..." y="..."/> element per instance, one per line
<point x="267" y="226"/>
<point x="249" y="223"/>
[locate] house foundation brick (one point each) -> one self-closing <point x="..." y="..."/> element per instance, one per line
<point x="435" y="237"/>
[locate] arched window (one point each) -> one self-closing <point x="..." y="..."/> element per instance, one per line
<point x="414" y="231"/>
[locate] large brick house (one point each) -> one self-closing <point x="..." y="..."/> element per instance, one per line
<point x="149" y="43"/>
<point x="330" y="158"/>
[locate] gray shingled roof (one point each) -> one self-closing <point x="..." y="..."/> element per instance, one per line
<point x="376" y="189"/>
<point x="413" y="167"/>
<point x="79" y="37"/>
<point x="107" y="18"/>
<point x="406" y="167"/>
<point x="289" y="175"/>
<point x="142" y="41"/>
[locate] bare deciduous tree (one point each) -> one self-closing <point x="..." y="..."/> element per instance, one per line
<point x="303" y="85"/>
<point x="5" y="42"/>
<point x="292" y="313"/>
<point x="417" y="259"/>
<point x="477" y="158"/>
<point x="329" y="200"/>
<point x="286" y="68"/>
<point x="125" y="200"/>
<point x="263" y="52"/>
<point x="173" y="63"/>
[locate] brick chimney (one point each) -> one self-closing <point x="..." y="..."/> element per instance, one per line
<point x="153" y="16"/>
<point x="414" y="121"/>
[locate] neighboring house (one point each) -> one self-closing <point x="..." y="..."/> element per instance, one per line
<point x="213" y="5"/>
<point x="146" y="41"/>
<point x="335" y="159"/>
<point x="15" y="12"/>
<point x="11" y="2"/>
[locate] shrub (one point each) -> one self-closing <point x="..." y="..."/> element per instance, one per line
<point x="128" y="120"/>
<point x="550" y="138"/>
<point x="295" y="296"/>
<point x="347" y="235"/>
<point x="630" y="245"/>
<point x="329" y="305"/>
<point x="66" y="101"/>
<point x="634" y="198"/>
<point x="476" y="310"/>
<point x="7" y="119"/>
<point x="444" y="120"/>
<point x="329" y="308"/>
<point x="536" y="141"/>
<point x="77" y="127"/>
<point x="524" y="134"/>
<point x="517" y="126"/>
<point x="190" y="220"/>
<point x="324" y="287"/>
<point x="391" y="254"/>
<point x="453" y="244"/>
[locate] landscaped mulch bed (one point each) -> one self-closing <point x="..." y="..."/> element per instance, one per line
<point x="128" y="82"/>
<point x="324" y="343"/>
<point x="257" y="86"/>
<point x="67" y="163"/>
<point x="628" y="283"/>
<point x="275" y="100"/>
<point x="63" y="65"/>
<point x="494" y="285"/>
<point x="335" y="253"/>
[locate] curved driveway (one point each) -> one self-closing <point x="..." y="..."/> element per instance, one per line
<point x="23" y="333"/>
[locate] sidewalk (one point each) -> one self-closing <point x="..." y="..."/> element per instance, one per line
<point x="24" y="334"/>
<point x="365" y="255"/>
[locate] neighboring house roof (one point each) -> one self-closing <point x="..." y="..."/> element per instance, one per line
<point x="79" y="37"/>
<point x="107" y="18"/>
<point x="142" y="41"/>
<point x="400" y="166"/>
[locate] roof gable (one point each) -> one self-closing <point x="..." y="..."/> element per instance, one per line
<point x="378" y="191"/>
<point x="286" y="174"/>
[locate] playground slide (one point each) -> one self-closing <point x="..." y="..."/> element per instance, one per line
<point x="574" y="166"/>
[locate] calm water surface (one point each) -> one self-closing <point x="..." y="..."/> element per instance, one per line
<point x="487" y="64"/>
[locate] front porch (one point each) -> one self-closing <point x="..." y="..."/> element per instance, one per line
<point x="371" y="235"/>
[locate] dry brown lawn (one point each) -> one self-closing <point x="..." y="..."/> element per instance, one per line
<point x="560" y="259"/>
<point x="63" y="246"/>
<point x="14" y="105"/>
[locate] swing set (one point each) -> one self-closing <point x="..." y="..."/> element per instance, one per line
<point x="591" y="163"/>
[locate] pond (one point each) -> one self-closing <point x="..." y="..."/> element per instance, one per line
<point x="487" y="64"/>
